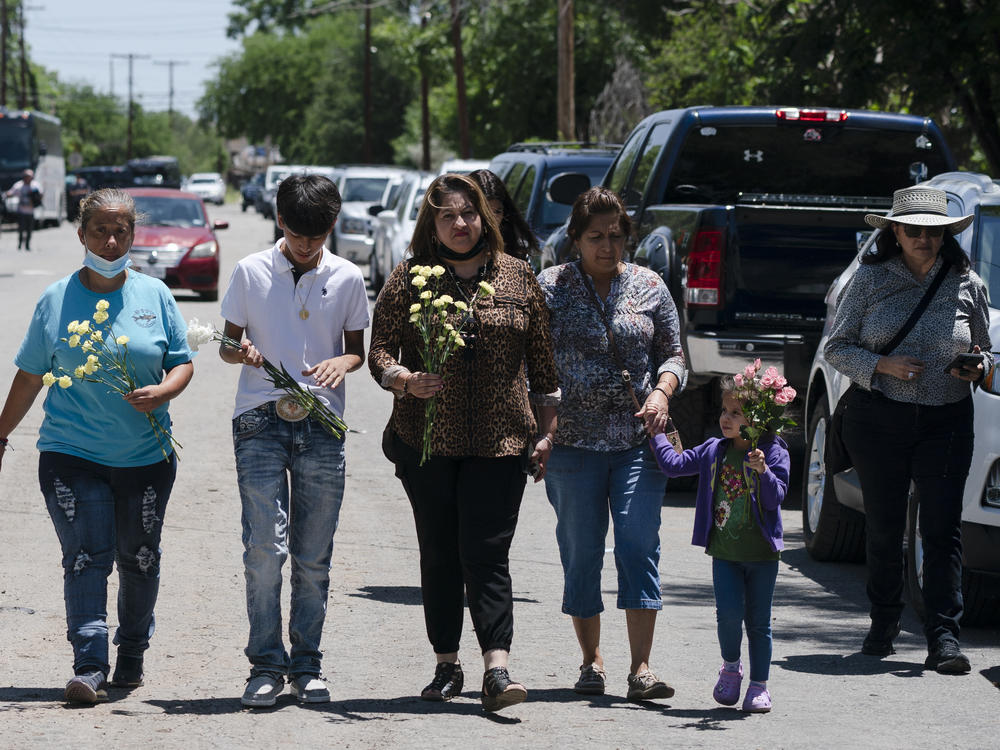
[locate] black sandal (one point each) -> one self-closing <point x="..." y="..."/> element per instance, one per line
<point x="447" y="683"/>
<point x="495" y="693"/>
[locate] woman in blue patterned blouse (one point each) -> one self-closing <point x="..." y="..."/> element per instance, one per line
<point x="601" y="464"/>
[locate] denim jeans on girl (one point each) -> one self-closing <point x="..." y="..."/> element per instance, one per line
<point x="743" y="592"/>
<point x="105" y="515"/>
<point x="270" y="454"/>
<point x="584" y="486"/>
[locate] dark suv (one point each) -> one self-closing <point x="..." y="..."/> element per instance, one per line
<point x="528" y="169"/>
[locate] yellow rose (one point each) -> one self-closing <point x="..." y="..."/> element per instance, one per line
<point x="122" y="340"/>
<point x="90" y="368"/>
<point x="79" y="372"/>
<point x="438" y="270"/>
<point x="486" y="289"/>
<point x="441" y="340"/>
<point x="71" y="328"/>
<point x="65" y="381"/>
<point x="100" y="316"/>
<point x="87" y="346"/>
<point x="419" y="281"/>
<point x="459" y="340"/>
<point x="426" y="294"/>
<point x="97" y="336"/>
<point x="48" y="379"/>
<point x="102" y="305"/>
<point x="426" y="271"/>
<point x="415" y="269"/>
<point x="92" y="358"/>
<point x="84" y="327"/>
<point x="415" y="317"/>
<point x="415" y="307"/>
<point x="439" y="303"/>
<point x="446" y="298"/>
<point x="443" y="314"/>
<point x="449" y="327"/>
<point x="461" y="306"/>
<point x="74" y="340"/>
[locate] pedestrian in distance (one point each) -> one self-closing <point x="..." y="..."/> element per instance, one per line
<point x="466" y="496"/>
<point x="738" y="522"/>
<point x="29" y="195"/>
<point x="105" y="470"/>
<point x="299" y="305"/>
<point x="911" y="418"/>
<point x="518" y="239"/>
<point x="610" y="317"/>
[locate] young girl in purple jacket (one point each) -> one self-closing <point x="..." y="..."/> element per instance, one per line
<point x="738" y="521"/>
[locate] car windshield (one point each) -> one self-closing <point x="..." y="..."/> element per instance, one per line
<point x="364" y="189"/>
<point x="15" y="146"/>
<point x="819" y="165"/>
<point x="169" y="212"/>
<point x="988" y="258"/>
<point x="550" y="215"/>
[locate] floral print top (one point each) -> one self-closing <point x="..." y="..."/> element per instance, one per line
<point x="596" y="410"/>
<point x="735" y="535"/>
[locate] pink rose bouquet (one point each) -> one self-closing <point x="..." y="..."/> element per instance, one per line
<point x="764" y="396"/>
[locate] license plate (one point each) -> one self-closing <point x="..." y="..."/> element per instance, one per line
<point x="157" y="272"/>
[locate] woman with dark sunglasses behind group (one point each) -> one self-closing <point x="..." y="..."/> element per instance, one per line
<point x="911" y="419"/>
<point x="466" y="496"/>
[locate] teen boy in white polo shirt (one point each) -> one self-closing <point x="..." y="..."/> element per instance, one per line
<point x="299" y="305"/>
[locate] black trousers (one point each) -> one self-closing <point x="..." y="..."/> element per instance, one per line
<point x="25" y="223"/>
<point x="465" y="511"/>
<point x="893" y="443"/>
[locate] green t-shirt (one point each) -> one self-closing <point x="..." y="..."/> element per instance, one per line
<point x="735" y="534"/>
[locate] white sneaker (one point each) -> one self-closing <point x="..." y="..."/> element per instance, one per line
<point x="263" y="690"/>
<point x="309" y="688"/>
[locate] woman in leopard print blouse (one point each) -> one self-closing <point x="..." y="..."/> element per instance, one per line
<point x="911" y="420"/>
<point x="466" y="497"/>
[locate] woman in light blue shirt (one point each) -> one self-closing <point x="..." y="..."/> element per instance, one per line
<point x="106" y="464"/>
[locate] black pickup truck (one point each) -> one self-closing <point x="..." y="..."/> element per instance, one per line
<point x="748" y="214"/>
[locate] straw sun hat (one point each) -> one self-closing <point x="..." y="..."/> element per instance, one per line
<point x="922" y="207"/>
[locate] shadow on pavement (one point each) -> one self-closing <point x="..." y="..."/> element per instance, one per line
<point x="406" y="595"/>
<point x="851" y="664"/>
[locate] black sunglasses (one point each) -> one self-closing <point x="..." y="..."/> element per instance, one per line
<point x="913" y="231"/>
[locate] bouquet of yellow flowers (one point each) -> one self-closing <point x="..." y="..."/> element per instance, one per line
<point x="107" y="363"/>
<point x="439" y="338"/>
<point x="303" y="398"/>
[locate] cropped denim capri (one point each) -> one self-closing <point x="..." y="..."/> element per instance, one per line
<point x="584" y="487"/>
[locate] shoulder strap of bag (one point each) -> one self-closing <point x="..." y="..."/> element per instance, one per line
<point x="918" y="310"/>
<point x="615" y="354"/>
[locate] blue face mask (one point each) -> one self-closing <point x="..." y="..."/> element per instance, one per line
<point x="106" y="268"/>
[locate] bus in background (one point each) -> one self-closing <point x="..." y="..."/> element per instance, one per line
<point x="32" y="140"/>
<point x="155" y="171"/>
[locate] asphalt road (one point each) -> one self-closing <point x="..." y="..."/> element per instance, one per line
<point x="826" y="694"/>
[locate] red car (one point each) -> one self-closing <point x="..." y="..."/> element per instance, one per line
<point x="175" y="241"/>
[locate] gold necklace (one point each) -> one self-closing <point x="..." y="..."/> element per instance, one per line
<point x="303" y="313"/>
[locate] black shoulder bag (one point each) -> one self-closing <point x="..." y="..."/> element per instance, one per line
<point x="835" y="455"/>
<point x="671" y="433"/>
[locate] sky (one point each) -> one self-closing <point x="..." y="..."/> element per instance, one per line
<point x="76" y="38"/>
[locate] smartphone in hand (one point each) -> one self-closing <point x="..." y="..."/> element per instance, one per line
<point x="965" y="361"/>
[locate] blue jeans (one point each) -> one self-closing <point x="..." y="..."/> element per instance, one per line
<point x="277" y="523"/>
<point x="743" y="592"/>
<point x="583" y="487"/>
<point x="105" y="515"/>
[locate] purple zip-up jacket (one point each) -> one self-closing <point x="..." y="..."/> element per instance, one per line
<point x="705" y="461"/>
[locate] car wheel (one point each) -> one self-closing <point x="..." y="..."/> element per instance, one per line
<point x="375" y="278"/>
<point x="832" y="531"/>
<point x="212" y="295"/>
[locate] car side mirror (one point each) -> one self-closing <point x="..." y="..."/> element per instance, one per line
<point x="219" y="224"/>
<point x="566" y="188"/>
<point x="376" y="209"/>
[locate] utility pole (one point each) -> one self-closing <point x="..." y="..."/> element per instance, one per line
<point x="22" y="97"/>
<point x="463" y="110"/>
<point x="425" y="111"/>
<point x="111" y="71"/>
<point x="170" y="100"/>
<point x="131" y="56"/>
<point x="566" y="106"/>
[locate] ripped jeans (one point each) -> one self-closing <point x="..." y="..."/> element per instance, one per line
<point x="105" y="515"/>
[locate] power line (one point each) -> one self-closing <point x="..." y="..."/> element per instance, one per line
<point x="170" y="66"/>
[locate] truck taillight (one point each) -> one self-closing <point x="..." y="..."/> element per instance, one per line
<point x="793" y="114"/>
<point x="703" y="284"/>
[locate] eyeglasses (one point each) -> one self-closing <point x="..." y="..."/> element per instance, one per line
<point x="913" y="231"/>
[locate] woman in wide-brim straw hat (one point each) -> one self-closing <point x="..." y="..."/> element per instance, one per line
<point x="911" y="419"/>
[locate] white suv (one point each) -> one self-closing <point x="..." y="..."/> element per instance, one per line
<point x="361" y="188"/>
<point x="832" y="509"/>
